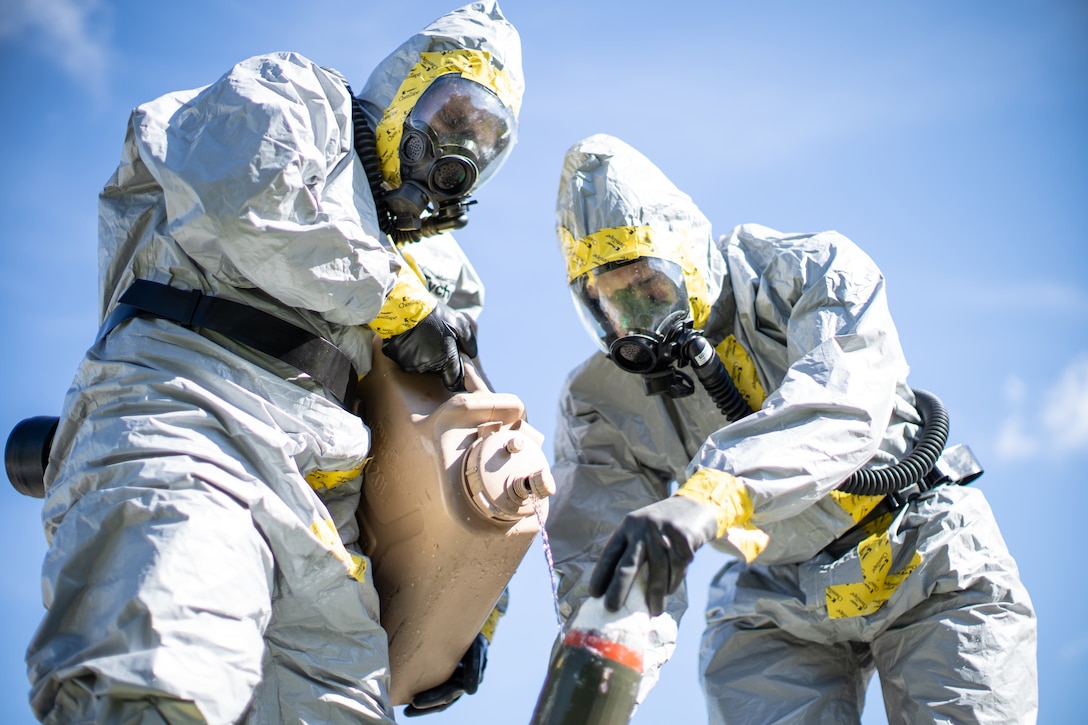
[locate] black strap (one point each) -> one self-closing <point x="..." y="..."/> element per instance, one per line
<point x="314" y="355"/>
<point x="956" y="465"/>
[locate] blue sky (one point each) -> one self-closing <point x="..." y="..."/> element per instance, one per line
<point x="946" y="138"/>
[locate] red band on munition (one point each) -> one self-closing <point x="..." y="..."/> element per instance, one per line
<point x="605" y="648"/>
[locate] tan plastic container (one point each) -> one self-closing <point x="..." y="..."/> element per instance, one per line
<point x="447" y="512"/>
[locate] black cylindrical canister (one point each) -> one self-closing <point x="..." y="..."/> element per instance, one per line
<point x="27" y="453"/>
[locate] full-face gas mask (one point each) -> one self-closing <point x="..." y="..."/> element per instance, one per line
<point x="638" y="311"/>
<point x="454" y="138"/>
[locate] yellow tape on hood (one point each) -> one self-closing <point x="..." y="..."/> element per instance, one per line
<point x="621" y="244"/>
<point x="475" y="65"/>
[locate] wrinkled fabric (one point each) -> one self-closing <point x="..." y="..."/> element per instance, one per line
<point x="478" y="26"/>
<point x="955" y="644"/>
<point x="189" y="560"/>
<point x="811" y="316"/>
<point x="250" y="189"/>
<point x="194" y="572"/>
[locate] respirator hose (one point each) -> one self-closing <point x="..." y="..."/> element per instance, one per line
<point x="910" y="469"/>
<point x="916" y="464"/>
<point x="366" y="146"/>
<point x="715" y="378"/>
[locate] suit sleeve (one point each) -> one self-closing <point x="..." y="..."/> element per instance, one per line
<point x="819" y="302"/>
<point x="263" y="189"/>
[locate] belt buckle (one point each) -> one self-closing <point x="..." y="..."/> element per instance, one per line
<point x="902" y="497"/>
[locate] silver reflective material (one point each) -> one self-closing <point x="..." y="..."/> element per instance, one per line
<point x="943" y="616"/>
<point x="194" y="574"/>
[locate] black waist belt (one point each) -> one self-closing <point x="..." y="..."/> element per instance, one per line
<point x="309" y="353"/>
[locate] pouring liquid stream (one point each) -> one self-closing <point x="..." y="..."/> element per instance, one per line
<point x="537" y="506"/>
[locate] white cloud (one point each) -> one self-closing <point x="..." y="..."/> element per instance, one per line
<point x="1016" y="391"/>
<point x="1074" y="650"/>
<point x="1015" y="441"/>
<point x="71" y="33"/>
<point x="1057" y="425"/>
<point x="1065" y="416"/>
<point x="1039" y="296"/>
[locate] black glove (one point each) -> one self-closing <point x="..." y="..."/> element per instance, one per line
<point x="465" y="680"/>
<point x="433" y="346"/>
<point x="664" y="536"/>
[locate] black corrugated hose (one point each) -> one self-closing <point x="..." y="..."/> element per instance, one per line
<point x="916" y="464"/>
<point x="866" y="482"/>
<point x="366" y="146"/>
<point x="715" y="378"/>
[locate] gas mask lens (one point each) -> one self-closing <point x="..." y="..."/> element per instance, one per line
<point x="640" y="297"/>
<point x="457" y="136"/>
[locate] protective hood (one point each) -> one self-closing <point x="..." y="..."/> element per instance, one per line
<point x="617" y="216"/>
<point x="475" y="42"/>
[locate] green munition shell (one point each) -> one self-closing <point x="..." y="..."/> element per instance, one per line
<point x="585" y="688"/>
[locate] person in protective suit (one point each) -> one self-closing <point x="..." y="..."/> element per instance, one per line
<point x="203" y="480"/>
<point x="801" y="383"/>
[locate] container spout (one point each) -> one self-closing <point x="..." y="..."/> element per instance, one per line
<point x="538" y="484"/>
<point x="504" y="469"/>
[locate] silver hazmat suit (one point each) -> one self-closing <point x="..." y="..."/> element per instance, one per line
<point x="928" y="595"/>
<point x="200" y="505"/>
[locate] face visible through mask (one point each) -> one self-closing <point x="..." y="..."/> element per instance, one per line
<point x="636" y="296"/>
<point x="456" y="137"/>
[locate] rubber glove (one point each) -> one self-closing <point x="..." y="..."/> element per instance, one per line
<point x="664" y="536"/>
<point x="468" y="674"/>
<point x="465" y="680"/>
<point x="434" y="345"/>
